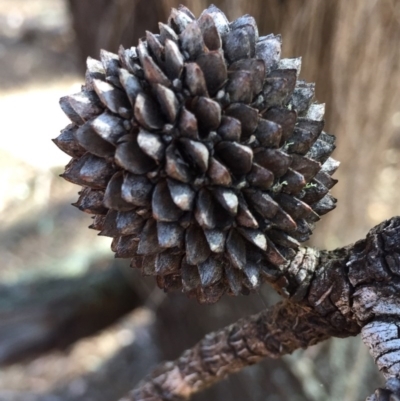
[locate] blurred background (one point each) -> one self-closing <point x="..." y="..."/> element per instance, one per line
<point x="77" y="325"/>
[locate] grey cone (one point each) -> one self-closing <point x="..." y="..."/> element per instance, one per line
<point x="201" y="153"/>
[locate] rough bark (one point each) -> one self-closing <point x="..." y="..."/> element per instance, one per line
<point x="53" y="314"/>
<point x="335" y="293"/>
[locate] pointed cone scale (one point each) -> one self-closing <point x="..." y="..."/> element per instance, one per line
<point x="238" y="44"/>
<point x="152" y="71"/>
<point x="273" y="255"/>
<point x="216" y="240"/>
<point x="210" y="271"/>
<point x="129" y="223"/>
<point x="91" y="201"/>
<point x="147" y="112"/>
<point x="303" y="232"/>
<point x="218" y="173"/>
<point x="246" y="115"/>
<point x="131" y="84"/>
<point x="230" y="129"/>
<point x="194" y="80"/>
<point x="302" y="96"/>
<point x="164" y="209"/>
<point x="208" y="113"/>
<point x="283" y="221"/>
<point x="175" y="166"/>
<point x="113" y="197"/>
<point x="236" y="249"/>
<point x="314" y="192"/>
<point x="210" y="294"/>
<point x="283" y="239"/>
<point x="325" y="179"/>
<point x="244" y="216"/>
<point x="260" y="177"/>
<point x="330" y="166"/>
<point x="110" y="62"/>
<point x="227" y="199"/>
<point x="90" y="171"/>
<point x="174" y="61"/>
<point x="284" y="117"/>
<point x="255" y="237"/>
<point x="109" y="127"/>
<point x="188" y="124"/>
<point x="294" y="182"/>
<point x="238" y="158"/>
<point x="179" y="20"/>
<point x="152" y="145"/>
<point x="301" y="141"/>
<point x="128" y="57"/>
<point x="136" y="189"/>
<point x="262" y="203"/>
<point x="255" y="67"/>
<point x="92" y="142"/>
<point x="214" y="69"/>
<point x="86" y="104"/>
<point x="148" y="243"/>
<point x="252" y="272"/>
<point x="220" y="20"/>
<point x="155" y="47"/>
<point x="191" y="40"/>
<point x="169" y="234"/>
<point x="274" y="160"/>
<point x="197" y="249"/>
<point x="196" y="153"/>
<point x="131" y="158"/>
<point x="126" y="246"/>
<point x="279" y="86"/>
<point x="69" y="111"/>
<point x="211" y="36"/>
<point x="245" y="20"/>
<point x="325" y="205"/>
<point x="113" y="98"/>
<point x="67" y="142"/>
<point x="167" y="33"/>
<point x="290" y="64"/>
<point x="148" y="264"/>
<point x="109" y="224"/>
<point x="98" y="222"/>
<point x="235" y="279"/>
<point x="168" y="262"/>
<point x="240" y="87"/>
<point x="168" y="102"/>
<point x="321" y="150"/>
<point x="190" y="276"/>
<point x="295" y="207"/>
<point x="95" y="70"/>
<point x="268" y="133"/>
<point x="182" y="194"/>
<point x="307" y="167"/>
<point x="204" y="210"/>
<point x="268" y="49"/>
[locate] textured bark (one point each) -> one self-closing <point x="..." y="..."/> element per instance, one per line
<point x="271" y="333"/>
<point x="53" y="314"/>
<point x="335" y="293"/>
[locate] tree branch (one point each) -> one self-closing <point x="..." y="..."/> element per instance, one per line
<point x="334" y="293"/>
<point x="271" y="333"/>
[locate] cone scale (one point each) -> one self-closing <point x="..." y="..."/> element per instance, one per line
<point x="200" y="153"/>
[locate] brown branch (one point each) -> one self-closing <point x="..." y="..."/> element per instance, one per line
<point x="271" y="333"/>
<point x="53" y="314"/>
<point x="333" y="293"/>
